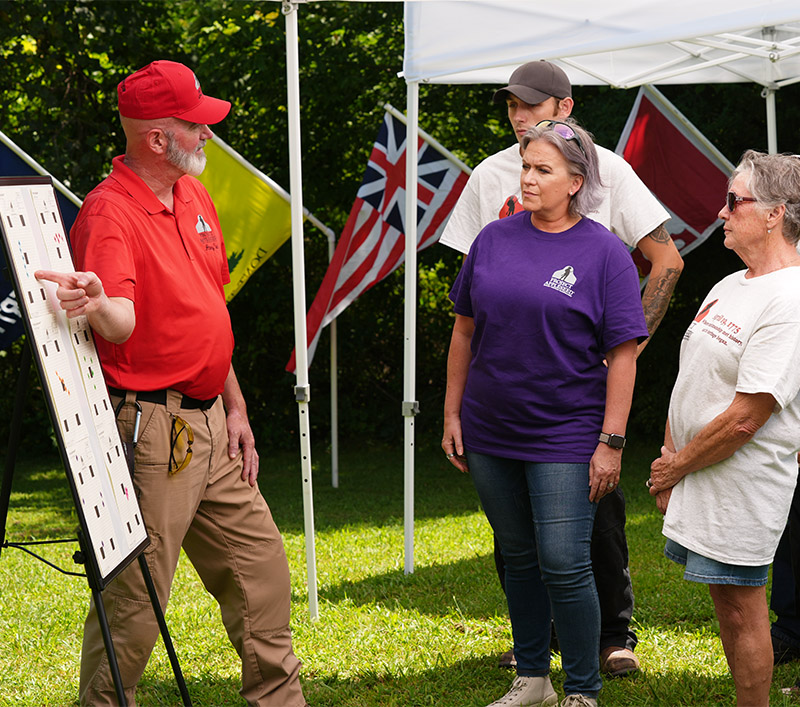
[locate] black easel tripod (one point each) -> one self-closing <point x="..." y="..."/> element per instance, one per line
<point x="85" y="555"/>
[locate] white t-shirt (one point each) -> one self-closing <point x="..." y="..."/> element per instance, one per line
<point x="746" y="339"/>
<point x="628" y="209"/>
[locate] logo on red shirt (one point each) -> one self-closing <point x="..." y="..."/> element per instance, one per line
<point x="510" y="207"/>
<point x="207" y="237"/>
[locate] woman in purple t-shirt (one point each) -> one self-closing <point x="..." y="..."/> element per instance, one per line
<point x="532" y="412"/>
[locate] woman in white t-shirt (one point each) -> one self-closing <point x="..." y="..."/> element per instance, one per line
<point x="727" y="468"/>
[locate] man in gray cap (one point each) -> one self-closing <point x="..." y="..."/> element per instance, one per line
<point x="540" y="91"/>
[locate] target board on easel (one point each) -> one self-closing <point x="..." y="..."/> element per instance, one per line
<point x="63" y="349"/>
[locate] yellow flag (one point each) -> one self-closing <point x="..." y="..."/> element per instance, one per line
<point x="254" y="212"/>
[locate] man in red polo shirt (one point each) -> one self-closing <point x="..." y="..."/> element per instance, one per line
<point x="152" y="266"/>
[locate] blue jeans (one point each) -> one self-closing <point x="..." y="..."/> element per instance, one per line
<point x="702" y="569"/>
<point x="546" y="545"/>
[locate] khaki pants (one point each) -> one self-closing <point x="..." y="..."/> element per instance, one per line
<point x="228" y="533"/>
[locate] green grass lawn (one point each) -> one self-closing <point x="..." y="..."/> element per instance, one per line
<point x="383" y="638"/>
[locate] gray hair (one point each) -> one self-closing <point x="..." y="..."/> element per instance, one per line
<point x="774" y="180"/>
<point x="579" y="162"/>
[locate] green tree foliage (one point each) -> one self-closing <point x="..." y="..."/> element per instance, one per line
<point x="61" y="64"/>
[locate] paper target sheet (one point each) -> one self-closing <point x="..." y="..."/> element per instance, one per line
<point x="70" y="371"/>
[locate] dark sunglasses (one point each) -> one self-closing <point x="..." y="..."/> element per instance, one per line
<point x="563" y="129"/>
<point x="732" y="199"/>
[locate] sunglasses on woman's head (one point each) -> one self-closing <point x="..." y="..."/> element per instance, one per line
<point x="732" y="199"/>
<point x="563" y="129"/>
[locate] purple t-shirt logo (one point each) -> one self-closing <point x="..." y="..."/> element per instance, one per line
<point x="562" y="280"/>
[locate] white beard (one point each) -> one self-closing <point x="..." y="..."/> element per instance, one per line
<point x="192" y="163"/>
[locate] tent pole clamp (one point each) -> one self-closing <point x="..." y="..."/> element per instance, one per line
<point x="290" y="6"/>
<point x="410" y="408"/>
<point x="302" y="393"/>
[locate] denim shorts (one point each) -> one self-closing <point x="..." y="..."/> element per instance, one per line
<point x="707" y="571"/>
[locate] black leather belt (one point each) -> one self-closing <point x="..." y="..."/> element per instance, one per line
<point x="159" y="397"/>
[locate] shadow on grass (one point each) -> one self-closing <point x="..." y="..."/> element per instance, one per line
<point x="41" y="502"/>
<point x="468" y="587"/>
<point x="671" y="689"/>
<point x="469" y="683"/>
<point x="371" y="487"/>
<point x="207" y="690"/>
<point x="444" y="684"/>
<point x="370" y="492"/>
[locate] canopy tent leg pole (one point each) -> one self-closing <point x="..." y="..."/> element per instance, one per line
<point x="772" y="129"/>
<point x="302" y="389"/>
<point x="410" y="405"/>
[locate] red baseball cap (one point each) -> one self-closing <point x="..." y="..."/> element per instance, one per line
<point x="167" y="89"/>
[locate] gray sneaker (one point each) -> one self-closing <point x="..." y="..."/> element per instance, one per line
<point x="579" y="701"/>
<point x="528" y="692"/>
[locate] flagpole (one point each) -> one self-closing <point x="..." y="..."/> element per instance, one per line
<point x="432" y="141"/>
<point x="410" y="405"/>
<point x="34" y="165"/>
<point x="277" y="188"/>
<point x="334" y="386"/>
<point x="302" y="389"/>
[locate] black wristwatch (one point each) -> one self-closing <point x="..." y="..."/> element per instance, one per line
<point x="612" y="440"/>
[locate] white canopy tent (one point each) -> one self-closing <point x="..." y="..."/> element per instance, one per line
<point x="622" y="43"/>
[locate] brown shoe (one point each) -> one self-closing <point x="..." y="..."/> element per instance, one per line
<point x="507" y="660"/>
<point x="618" y="662"/>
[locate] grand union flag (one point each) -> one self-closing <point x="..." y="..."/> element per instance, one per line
<point x="372" y="243"/>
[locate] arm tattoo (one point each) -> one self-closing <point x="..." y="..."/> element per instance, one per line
<point x="656" y="296"/>
<point x="658" y="291"/>
<point x="659" y="235"/>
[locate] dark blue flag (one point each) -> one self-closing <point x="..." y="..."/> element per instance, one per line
<point x="12" y="165"/>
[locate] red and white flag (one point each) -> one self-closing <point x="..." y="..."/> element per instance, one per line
<point x="372" y="244"/>
<point x="685" y="172"/>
